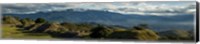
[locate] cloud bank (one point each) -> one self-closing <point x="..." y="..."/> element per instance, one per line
<point x="127" y="8"/>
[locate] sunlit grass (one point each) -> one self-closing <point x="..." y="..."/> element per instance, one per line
<point x="14" y="32"/>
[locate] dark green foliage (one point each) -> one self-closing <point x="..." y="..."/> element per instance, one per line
<point x="64" y="35"/>
<point x="100" y="32"/>
<point x="17" y="18"/>
<point x="123" y="35"/>
<point x="138" y="28"/>
<point x="40" y="20"/>
<point x="27" y="22"/>
<point x="24" y="20"/>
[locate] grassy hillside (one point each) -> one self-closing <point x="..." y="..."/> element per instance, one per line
<point x="15" y="33"/>
<point x="41" y="29"/>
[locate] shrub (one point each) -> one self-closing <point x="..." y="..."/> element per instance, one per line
<point x="27" y="22"/>
<point x="100" y="32"/>
<point x="40" y="20"/>
<point x="122" y="35"/>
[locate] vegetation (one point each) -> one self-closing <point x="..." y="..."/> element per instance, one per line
<point x="16" y="33"/>
<point x="41" y="29"/>
<point x="100" y="32"/>
<point x="11" y="20"/>
<point x="40" y="20"/>
<point x="27" y="22"/>
<point x="145" y="34"/>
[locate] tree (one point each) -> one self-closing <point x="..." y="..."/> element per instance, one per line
<point x="40" y="20"/>
<point x="100" y="32"/>
<point x="27" y="22"/>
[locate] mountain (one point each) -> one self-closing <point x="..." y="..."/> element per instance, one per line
<point x="109" y="18"/>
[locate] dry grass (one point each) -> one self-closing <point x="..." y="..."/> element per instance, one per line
<point x="15" y="33"/>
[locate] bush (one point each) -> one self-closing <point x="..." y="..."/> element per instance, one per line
<point x="27" y="22"/>
<point x="122" y="35"/>
<point x="100" y="32"/>
<point x="40" y="20"/>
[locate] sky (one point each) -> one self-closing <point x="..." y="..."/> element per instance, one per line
<point x="126" y="8"/>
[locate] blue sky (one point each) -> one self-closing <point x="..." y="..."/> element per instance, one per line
<point x="139" y="8"/>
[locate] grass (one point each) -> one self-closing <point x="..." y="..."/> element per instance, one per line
<point x="9" y="32"/>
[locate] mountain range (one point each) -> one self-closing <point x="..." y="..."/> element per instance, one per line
<point x="157" y="23"/>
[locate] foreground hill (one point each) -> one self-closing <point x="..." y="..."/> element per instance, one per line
<point x="11" y="29"/>
<point x="41" y="28"/>
<point x="177" y="35"/>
